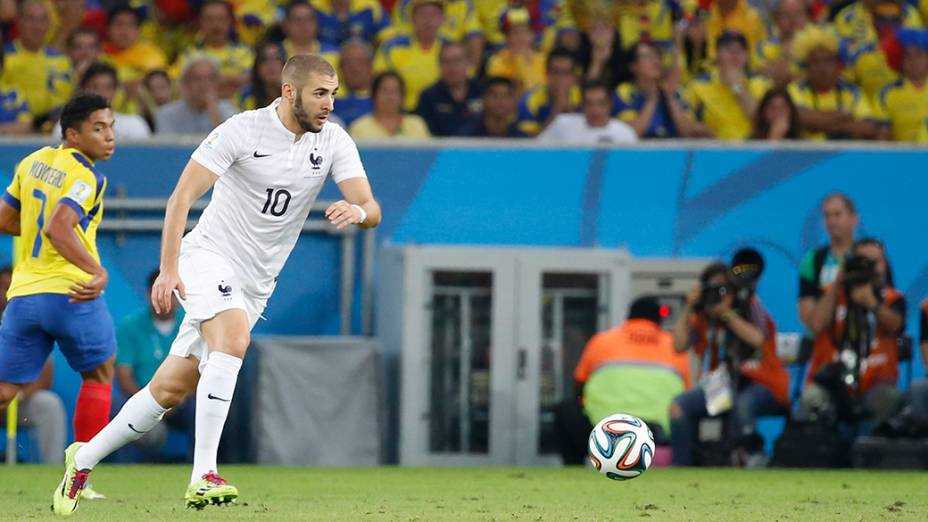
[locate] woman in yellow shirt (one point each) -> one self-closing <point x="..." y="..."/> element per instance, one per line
<point x="388" y="120"/>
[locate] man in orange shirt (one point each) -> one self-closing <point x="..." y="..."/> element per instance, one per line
<point x="629" y="369"/>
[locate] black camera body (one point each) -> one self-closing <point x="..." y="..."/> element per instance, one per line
<point x="712" y="295"/>
<point x="859" y="271"/>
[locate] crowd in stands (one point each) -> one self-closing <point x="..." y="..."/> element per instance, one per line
<point x="724" y="69"/>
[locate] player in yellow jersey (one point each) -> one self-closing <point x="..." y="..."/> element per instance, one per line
<point x="55" y="203"/>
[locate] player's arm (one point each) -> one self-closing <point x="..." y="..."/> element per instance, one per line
<point x="60" y="233"/>
<point x="357" y="193"/>
<point x="194" y="181"/>
<point x="9" y="219"/>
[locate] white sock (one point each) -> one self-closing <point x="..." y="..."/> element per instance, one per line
<point x="214" y="395"/>
<point x="140" y="414"/>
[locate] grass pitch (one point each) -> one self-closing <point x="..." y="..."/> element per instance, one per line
<point x="156" y="493"/>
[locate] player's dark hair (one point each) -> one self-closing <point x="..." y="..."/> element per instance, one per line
<point x="645" y="308"/>
<point x="560" y="52"/>
<point x="118" y="10"/>
<point x="78" y="109"/>
<point x="288" y="10"/>
<point x="98" y="69"/>
<point x="380" y="78"/>
<point x="499" y="80"/>
<point x="152" y="277"/>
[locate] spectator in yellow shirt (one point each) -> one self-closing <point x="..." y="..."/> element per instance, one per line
<point x="215" y="40"/>
<point x="414" y="56"/>
<point x="40" y="74"/>
<point x="735" y="16"/>
<point x="460" y="24"/>
<point x="904" y="103"/>
<point x="132" y="56"/>
<point x="518" y="60"/>
<point x="829" y="106"/>
<point x="343" y="20"/>
<point x="725" y="100"/>
<point x="388" y="119"/>
<point x="774" y="56"/>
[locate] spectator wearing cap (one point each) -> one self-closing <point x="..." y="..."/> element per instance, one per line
<point x="343" y="20"/>
<point x="455" y="100"/>
<point x="357" y="72"/>
<point x="725" y="100"/>
<point x="518" y="60"/>
<point x="498" y="118"/>
<point x="871" y="53"/>
<point x="301" y="27"/>
<point x="774" y="55"/>
<point x="560" y="94"/>
<point x="414" y="55"/>
<point x="132" y="56"/>
<point x="235" y="60"/>
<point x="40" y="74"/>
<point x="830" y="107"/>
<point x="903" y="104"/>
<point x="388" y="119"/>
<point x="594" y="125"/>
<point x="200" y="109"/>
<point x="734" y="16"/>
<point x="631" y="368"/>
<point x="652" y="104"/>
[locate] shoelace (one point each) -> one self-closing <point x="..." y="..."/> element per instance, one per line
<point x="214" y="478"/>
<point x="77" y="484"/>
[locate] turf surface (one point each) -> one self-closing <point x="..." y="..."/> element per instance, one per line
<point x="156" y="493"/>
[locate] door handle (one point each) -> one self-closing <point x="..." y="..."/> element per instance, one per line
<point x="521" y="364"/>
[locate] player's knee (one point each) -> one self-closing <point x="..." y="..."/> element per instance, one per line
<point x="169" y="394"/>
<point x="235" y="345"/>
<point x="7" y="393"/>
<point x="102" y="374"/>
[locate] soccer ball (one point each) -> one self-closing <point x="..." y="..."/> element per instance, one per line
<point x="621" y="446"/>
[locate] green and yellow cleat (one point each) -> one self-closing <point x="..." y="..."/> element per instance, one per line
<point x="210" y="489"/>
<point x="68" y="494"/>
<point x="91" y="494"/>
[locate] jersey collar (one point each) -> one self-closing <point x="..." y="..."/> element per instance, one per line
<point x="76" y="151"/>
<point x="272" y="113"/>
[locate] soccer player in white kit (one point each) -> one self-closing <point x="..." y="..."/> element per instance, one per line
<point x="266" y="168"/>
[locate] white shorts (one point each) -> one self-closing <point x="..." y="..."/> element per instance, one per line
<point x="211" y="286"/>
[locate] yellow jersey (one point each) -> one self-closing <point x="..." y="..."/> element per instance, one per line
<point x="416" y="65"/>
<point x="43" y="77"/>
<point x="44" y="179"/>
<point x="233" y="59"/>
<point x="905" y="107"/>
<point x="714" y="104"/>
<point x="845" y="97"/>
<point x="460" y="21"/>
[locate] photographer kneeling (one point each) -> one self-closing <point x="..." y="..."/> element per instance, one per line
<point x="857" y="324"/>
<point x="734" y="337"/>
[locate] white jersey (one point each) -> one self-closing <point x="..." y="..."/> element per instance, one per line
<point x="267" y="183"/>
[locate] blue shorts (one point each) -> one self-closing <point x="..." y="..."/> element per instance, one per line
<point x="33" y="323"/>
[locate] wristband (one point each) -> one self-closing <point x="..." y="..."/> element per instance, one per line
<point x="363" y="213"/>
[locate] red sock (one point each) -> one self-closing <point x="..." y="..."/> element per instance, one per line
<point x="92" y="411"/>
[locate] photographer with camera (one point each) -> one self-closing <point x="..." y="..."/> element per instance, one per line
<point x="857" y="324"/>
<point x="734" y="338"/>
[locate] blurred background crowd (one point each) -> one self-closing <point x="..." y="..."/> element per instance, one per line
<point x="565" y="71"/>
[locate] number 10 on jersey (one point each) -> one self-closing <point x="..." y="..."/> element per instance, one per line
<point x="277" y="202"/>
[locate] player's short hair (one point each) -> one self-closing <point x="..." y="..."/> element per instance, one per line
<point x="78" y="109"/>
<point x="98" y="69"/>
<point x="300" y="67"/>
<point x="118" y="10"/>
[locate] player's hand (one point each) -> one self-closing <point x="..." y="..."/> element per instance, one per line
<point x="91" y="289"/>
<point x="162" y="291"/>
<point x="341" y="214"/>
